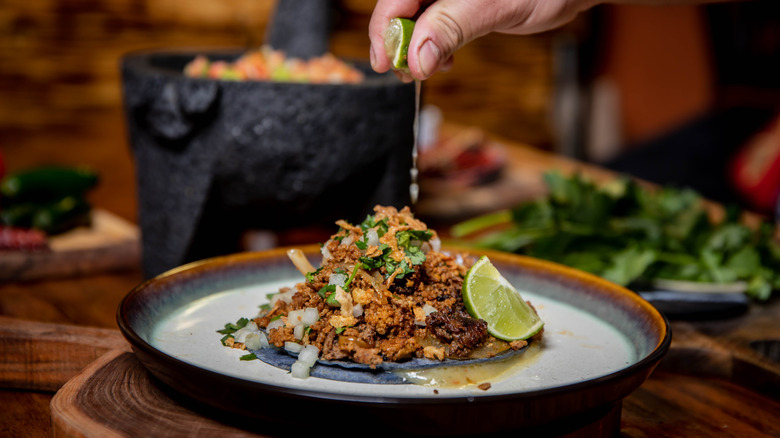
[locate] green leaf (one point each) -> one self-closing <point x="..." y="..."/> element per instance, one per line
<point x="250" y="356"/>
<point x="745" y="262"/>
<point x="480" y="223"/>
<point x="310" y="275"/>
<point x="585" y="261"/>
<point x="759" y="288"/>
<point x="231" y="328"/>
<point x="728" y="237"/>
<point x="326" y="291"/>
<point x="371" y="222"/>
<point x="629" y="233"/>
<point x="629" y="264"/>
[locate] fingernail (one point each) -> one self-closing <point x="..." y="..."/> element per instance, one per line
<point x="372" y="57"/>
<point x="429" y="58"/>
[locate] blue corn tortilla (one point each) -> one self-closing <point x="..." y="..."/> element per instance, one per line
<point x="353" y="372"/>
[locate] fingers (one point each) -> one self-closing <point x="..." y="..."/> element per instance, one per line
<point x="384" y="11"/>
<point x="442" y="28"/>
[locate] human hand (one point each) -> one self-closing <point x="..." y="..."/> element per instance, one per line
<point x="444" y="26"/>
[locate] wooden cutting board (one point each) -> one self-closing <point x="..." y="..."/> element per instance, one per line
<point x="109" y="243"/>
<point x="703" y="387"/>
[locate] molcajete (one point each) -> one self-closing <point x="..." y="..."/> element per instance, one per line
<point x="214" y="158"/>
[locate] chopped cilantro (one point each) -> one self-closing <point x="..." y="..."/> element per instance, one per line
<point x="340" y="330"/>
<point x="310" y="275"/>
<point x="351" y="277"/>
<point x="378" y="261"/>
<point x="331" y="300"/>
<point x="250" y="356"/>
<point x="326" y="290"/>
<point x="231" y="328"/>
<point x="328" y="293"/>
<point x="405" y="238"/>
<point x="371" y="222"/>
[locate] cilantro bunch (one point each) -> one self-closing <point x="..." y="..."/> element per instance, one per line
<point x="631" y="235"/>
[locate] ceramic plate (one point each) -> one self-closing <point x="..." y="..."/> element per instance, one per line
<point x="600" y="343"/>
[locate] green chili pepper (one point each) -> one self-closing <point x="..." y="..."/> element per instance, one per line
<point x="48" y="183"/>
<point x="18" y="215"/>
<point x="62" y="215"/>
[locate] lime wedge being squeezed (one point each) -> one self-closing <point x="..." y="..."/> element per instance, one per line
<point x="490" y="297"/>
<point x="397" y="37"/>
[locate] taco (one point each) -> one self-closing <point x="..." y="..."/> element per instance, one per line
<point x="384" y="298"/>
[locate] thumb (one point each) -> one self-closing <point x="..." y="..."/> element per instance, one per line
<point x="442" y="29"/>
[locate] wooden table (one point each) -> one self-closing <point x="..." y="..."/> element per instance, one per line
<point x="710" y="384"/>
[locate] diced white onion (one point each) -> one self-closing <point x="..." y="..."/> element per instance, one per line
<point x="293" y="347"/>
<point x="256" y="341"/>
<point x="357" y="310"/>
<point x="300" y="261"/>
<point x="310" y="316"/>
<point x="347" y="241"/>
<point x="277" y="323"/>
<point x="241" y="334"/>
<point x="300" y="370"/>
<point x="295" y="317"/>
<point x="284" y="296"/>
<point x="309" y="355"/>
<point x="435" y="243"/>
<point x="298" y="331"/>
<point x="337" y="279"/>
<point x="428" y="309"/>
<point x="326" y="255"/>
<point x="372" y="237"/>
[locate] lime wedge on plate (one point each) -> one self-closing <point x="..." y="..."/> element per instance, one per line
<point x="397" y="37"/>
<point x="489" y="296"/>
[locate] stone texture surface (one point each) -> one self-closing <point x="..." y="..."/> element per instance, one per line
<point x="214" y="158"/>
<point x="300" y="27"/>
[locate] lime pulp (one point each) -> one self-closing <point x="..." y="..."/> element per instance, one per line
<point x="489" y="296"/>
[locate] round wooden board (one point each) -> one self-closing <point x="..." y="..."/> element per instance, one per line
<point x="116" y="397"/>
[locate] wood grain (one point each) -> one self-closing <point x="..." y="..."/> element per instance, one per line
<point x="109" y="243"/>
<point x="25" y="414"/>
<point x="59" y="60"/>
<point x="114" y="397"/>
<point x="42" y="356"/>
<point x="678" y="405"/>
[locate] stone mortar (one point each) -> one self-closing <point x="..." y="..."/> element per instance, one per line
<point x="215" y="158"/>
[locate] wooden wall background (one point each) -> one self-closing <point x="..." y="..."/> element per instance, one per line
<point x="60" y="95"/>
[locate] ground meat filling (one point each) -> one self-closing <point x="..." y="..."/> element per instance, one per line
<point x="401" y="298"/>
<point x="462" y="332"/>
